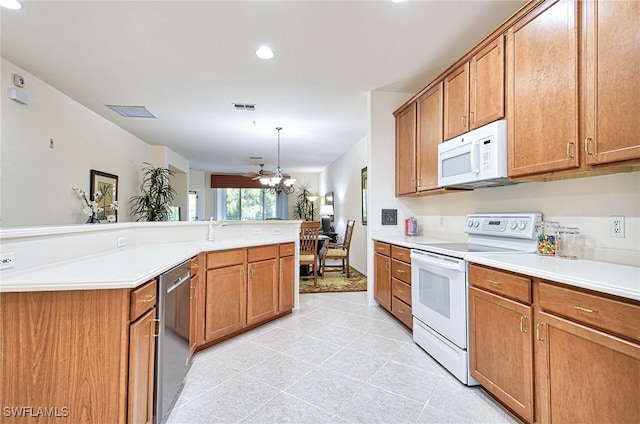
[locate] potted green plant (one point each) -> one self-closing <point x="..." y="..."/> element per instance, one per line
<point x="157" y="194"/>
<point x="303" y="209"/>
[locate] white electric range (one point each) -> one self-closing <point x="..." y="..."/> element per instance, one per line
<point x="439" y="284"/>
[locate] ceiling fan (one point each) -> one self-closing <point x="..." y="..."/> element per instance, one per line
<point x="260" y="174"/>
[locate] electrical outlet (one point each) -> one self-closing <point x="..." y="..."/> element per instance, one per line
<point x="51" y="143"/>
<point x="257" y="231"/>
<point x="122" y="242"/>
<point x="7" y="260"/>
<point x="616" y="226"/>
<point x="275" y="231"/>
<point x="442" y="221"/>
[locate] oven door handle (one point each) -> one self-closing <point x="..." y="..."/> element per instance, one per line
<point x="443" y="264"/>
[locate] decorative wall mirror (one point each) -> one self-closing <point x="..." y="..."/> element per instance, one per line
<point x="108" y="184"/>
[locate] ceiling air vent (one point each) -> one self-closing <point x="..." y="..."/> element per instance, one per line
<point x="244" y="106"/>
<point x="132" y="111"/>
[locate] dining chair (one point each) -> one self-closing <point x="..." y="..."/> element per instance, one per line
<point x="309" y="231"/>
<point x="339" y="251"/>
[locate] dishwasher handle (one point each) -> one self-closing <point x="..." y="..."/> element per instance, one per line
<point x="178" y="281"/>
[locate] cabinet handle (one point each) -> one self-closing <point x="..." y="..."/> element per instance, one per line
<point x="149" y="298"/>
<point x="400" y="271"/>
<point x="156" y="327"/>
<point x="569" y="144"/>
<point x="472" y="116"/>
<point x="583" y="309"/>
<point x="193" y="293"/>
<point x="539" y="332"/>
<point x="464" y="121"/>
<point x="194" y="266"/>
<point x="522" y="329"/>
<point x="490" y="281"/>
<point x="587" y="141"/>
<point x="386" y="265"/>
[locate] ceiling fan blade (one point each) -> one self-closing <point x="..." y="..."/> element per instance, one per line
<point x="250" y="174"/>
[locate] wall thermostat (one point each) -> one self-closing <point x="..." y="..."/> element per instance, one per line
<point x="18" y="81"/>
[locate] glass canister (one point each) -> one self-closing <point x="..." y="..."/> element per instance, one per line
<point x="568" y="243"/>
<point x="546" y="234"/>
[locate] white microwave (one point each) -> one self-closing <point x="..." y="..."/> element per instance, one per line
<point x="475" y="159"/>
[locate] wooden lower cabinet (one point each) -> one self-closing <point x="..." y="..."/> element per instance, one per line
<point x="501" y="349"/>
<point x="245" y="287"/>
<point x="262" y="290"/>
<point x="142" y="342"/>
<point x="585" y="375"/>
<point x="382" y="280"/>
<point x="554" y="353"/>
<point x="286" y="289"/>
<point x="225" y="304"/>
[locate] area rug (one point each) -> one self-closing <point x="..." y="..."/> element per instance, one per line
<point x="335" y="281"/>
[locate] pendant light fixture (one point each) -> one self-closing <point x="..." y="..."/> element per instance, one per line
<point x="278" y="183"/>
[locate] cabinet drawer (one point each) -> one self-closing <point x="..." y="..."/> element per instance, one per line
<point x="401" y="253"/>
<point x="401" y="271"/>
<point x="607" y="314"/>
<point x="142" y="299"/>
<point x="262" y="253"/>
<point x="226" y="258"/>
<point x="513" y="286"/>
<point x="382" y="248"/>
<point x="402" y="311"/>
<point x="401" y="290"/>
<point x="287" y="249"/>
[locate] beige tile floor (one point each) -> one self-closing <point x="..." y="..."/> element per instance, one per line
<point x="336" y="360"/>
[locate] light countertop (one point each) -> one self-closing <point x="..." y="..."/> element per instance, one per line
<point x="615" y="279"/>
<point x="126" y="267"/>
<point x="604" y="277"/>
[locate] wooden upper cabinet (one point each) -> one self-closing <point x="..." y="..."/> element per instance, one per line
<point x="406" y="150"/>
<point x="611" y="81"/>
<point x="486" y="96"/>
<point x="429" y="135"/>
<point x="456" y="102"/>
<point x="542" y="105"/>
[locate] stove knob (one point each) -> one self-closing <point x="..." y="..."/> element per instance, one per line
<point x="470" y="223"/>
<point x="514" y="225"/>
<point x="523" y="225"/>
<point x="476" y="224"/>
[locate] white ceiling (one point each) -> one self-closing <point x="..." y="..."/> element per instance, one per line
<point x="188" y="61"/>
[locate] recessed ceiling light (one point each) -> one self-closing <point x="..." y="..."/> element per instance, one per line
<point x="398" y="1"/>
<point x="11" y="4"/>
<point x="264" y="52"/>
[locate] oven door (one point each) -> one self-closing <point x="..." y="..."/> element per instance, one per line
<point x="438" y="294"/>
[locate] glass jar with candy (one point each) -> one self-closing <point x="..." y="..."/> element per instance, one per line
<point x="546" y="237"/>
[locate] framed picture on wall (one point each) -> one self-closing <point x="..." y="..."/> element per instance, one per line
<point x="363" y="176"/>
<point x="107" y="184"/>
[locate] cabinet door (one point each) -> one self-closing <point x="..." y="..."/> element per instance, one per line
<point x="501" y="349"/>
<point x="262" y="290"/>
<point x="382" y="280"/>
<point x="406" y="151"/>
<point x="193" y="315"/>
<point x="486" y="98"/>
<point x="456" y="102"/>
<point x="429" y="136"/>
<point x="142" y="352"/>
<point x="225" y="306"/>
<point x="287" y="284"/>
<point x="612" y="81"/>
<point x="584" y="375"/>
<point x="542" y="91"/>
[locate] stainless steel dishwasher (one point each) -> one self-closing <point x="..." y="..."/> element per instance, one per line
<point x="172" y="358"/>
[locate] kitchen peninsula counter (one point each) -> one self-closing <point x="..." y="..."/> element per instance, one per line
<point x="126" y="267"/>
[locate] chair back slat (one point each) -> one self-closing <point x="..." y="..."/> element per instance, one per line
<point x="309" y="231"/>
<point x="347" y="233"/>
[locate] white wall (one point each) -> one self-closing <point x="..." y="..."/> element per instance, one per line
<point x="36" y="180"/>
<point x="343" y="178"/>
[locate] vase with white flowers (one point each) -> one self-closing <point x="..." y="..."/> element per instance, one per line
<point x="92" y="207"/>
